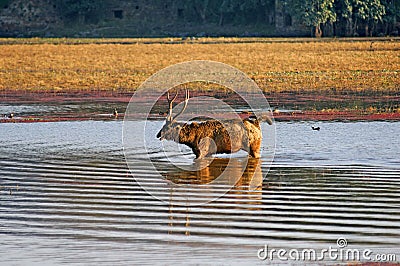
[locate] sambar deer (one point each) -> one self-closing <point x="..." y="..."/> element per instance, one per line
<point x="213" y="136"/>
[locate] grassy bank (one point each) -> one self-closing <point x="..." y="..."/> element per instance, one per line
<point x="277" y="65"/>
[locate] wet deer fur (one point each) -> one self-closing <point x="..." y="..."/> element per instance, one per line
<point x="213" y="136"/>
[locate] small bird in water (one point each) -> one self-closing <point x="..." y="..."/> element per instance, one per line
<point x="115" y="113"/>
<point x="315" y="128"/>
<point x="10" y="115"/>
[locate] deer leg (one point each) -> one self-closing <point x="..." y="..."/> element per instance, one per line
<point x="196" y="152"/>
<point x="207" y="147"/>
<point x="254" y="150"/>
<point x="200" y="154"/>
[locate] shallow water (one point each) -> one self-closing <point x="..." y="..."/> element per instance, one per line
<point x="67" y="196"/>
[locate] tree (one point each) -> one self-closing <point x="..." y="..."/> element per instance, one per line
<point x="227" y="7"/>
<point x="201" y="8"/>
<point x="344" y="11"/>
<point x="244" y="12"/>
<point x="4" y="3"/>
<point x="254" y="11"/>
<point x="314" y="13"/>
<point x="392" y="14"/>
<point x="369" y="12"/>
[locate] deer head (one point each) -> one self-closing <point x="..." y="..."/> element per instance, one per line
<point x="170" y="131"/>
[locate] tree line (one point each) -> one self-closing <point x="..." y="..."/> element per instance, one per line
<point x="323" y="17"/>
<point x="347" y="16"/>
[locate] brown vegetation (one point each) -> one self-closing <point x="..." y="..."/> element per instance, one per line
<point x="333" y="66"/>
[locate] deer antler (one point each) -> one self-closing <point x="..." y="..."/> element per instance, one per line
<point x="170" y="102"/>
<point x="185" y="104"/>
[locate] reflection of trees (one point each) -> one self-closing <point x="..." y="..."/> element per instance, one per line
<point x="246" y="192"/>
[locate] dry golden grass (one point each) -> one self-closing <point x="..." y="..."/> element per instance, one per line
<point x="275" y="66"/>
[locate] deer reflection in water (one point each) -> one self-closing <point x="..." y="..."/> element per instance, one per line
<point x="242" y="173"/>
<point x="246" y="179"/>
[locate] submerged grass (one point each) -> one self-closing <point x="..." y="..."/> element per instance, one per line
<point x="277" y="65"/>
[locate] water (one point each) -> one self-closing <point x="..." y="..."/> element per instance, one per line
<point x="68" y="197"/>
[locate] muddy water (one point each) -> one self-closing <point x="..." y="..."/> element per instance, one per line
<point x="67" y="196"/>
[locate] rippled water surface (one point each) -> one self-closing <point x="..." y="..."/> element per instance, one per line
<point x="67" y="196"/>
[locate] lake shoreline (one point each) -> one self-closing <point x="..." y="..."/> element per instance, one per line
<point x="288" y="106"/>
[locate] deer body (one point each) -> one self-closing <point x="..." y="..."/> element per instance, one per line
<point x="213" y="136"/>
